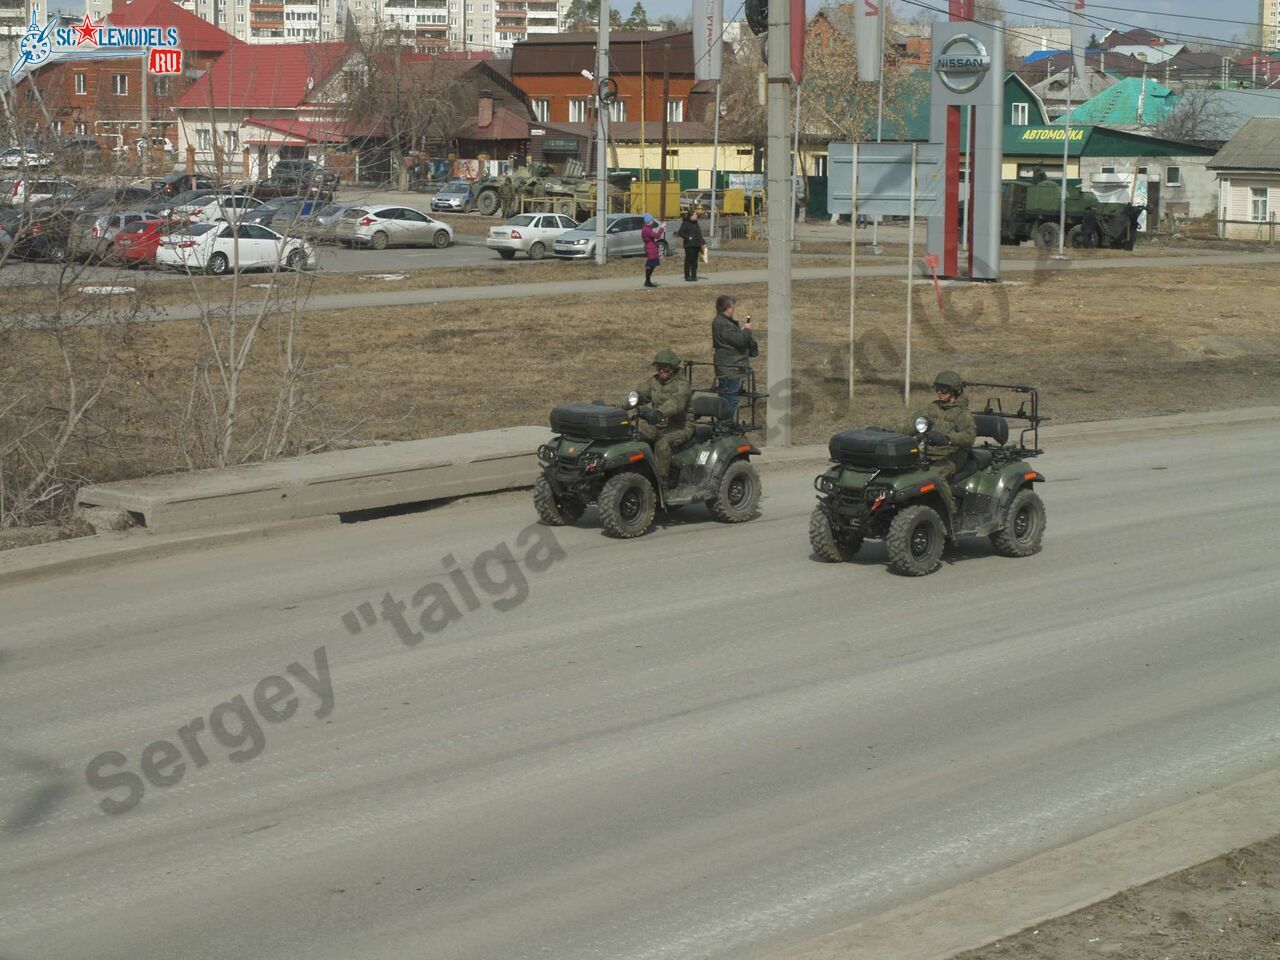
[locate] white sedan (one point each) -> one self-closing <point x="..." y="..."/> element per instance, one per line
<point x="215" y="208"/>
<point x="531" y="233"/>
<point x="215" y="248"/>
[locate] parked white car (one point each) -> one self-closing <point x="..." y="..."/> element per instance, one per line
<point x="16" y="158"/>
<point x="531" y="233"/>
<point x="381" y="226"/>
<point x="214" y="207"/>
<point x="20" y="190"/>
<point x="212" y="248"/>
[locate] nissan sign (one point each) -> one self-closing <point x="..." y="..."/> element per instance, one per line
<point x="962" y="64"/>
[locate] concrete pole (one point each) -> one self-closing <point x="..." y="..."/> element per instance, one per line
<point x="146" y="119"/>
<point x="853" y="270"/>
<point x="1066" y="159"/>
<point x="715" y="156"/>
<point x="911" y="271"/>
<point x="875" y="223"/>
<point x="778" y="158"/>
<point x="602" y="171"/>
<point x="666" y="115"/>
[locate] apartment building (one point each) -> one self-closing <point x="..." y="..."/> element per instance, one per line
<point x="1269" y="17"/>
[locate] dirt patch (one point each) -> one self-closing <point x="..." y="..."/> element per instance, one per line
<point x="1226" y="909"/>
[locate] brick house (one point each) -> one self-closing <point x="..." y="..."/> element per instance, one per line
<point x="103" y="98"/>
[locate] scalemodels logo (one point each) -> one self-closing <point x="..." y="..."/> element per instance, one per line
<point x="89" y="40"/>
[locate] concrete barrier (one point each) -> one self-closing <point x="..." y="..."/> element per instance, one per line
<point x="367" y="478"/>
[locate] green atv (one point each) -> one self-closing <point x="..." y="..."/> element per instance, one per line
<point x="881" y="487"/>
<point x="600" y="457"/>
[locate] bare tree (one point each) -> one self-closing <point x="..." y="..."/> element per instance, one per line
<point x="1198" y="116"/>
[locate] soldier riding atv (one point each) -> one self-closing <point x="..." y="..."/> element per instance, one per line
<point x="883" y="485"/>
<point x="664" y="450"/>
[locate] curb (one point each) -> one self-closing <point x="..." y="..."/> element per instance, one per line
<point x="1062" y="881"/>
<point x="102" y="550"/>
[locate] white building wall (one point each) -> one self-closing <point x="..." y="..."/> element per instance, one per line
<point x="1195" y="196"/>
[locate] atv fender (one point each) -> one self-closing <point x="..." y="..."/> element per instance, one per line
<point x="724" y="453"/>
<point x="1025" y="477"/>
<point x="638" y="461"/>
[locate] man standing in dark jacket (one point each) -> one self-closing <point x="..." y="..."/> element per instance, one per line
<point x="691" y="233"/>
<point x="732" y="347"/>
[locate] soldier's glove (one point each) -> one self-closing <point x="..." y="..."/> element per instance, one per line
<point x="649" y="415"/>
<point x="937" y="439"/>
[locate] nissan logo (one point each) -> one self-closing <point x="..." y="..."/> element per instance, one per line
<point x="962" y="64"/>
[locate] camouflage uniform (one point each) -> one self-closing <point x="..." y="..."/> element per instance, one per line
<point x="507" y="194"/>
<point x="671" y="400"/>
<point x="954" y="420"/>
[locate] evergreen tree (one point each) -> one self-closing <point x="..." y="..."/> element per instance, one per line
<point x="639" y="19"/>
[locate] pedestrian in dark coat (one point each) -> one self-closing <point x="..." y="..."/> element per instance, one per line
<point x="691" y="233"/>
<point x="732" y="348"/>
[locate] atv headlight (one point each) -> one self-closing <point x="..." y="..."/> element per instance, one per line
<point x="633" y="399"/>
<point x="922" y="424"/>
<point x="825" y="484"/>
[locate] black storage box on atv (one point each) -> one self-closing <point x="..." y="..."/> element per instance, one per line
<point x="874" y="448"/>
<point x="591" y="421"/>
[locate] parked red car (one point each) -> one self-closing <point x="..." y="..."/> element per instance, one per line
<point x="136" y="243"/>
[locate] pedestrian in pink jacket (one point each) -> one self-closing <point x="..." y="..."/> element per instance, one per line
<point x="652" y="232"/>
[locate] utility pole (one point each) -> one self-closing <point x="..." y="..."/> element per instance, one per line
<point x="146" y="120"/>
<point x="666" y="116"/>
<point x="602" y="178"/>
<point x="778" y="420"/>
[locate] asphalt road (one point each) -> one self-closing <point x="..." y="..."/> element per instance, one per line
<point x="701" y="744"/>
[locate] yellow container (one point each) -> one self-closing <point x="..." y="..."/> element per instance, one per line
<point x="647" y="198"/>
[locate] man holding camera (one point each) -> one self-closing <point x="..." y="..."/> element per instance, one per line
<point x="733" y="346"/>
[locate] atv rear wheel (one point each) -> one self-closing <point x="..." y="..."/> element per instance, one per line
<point x="627" y="504"/>
<point x="1023" y="526"/>
<point x="737" y="493"/>
<point x="915" y="541"/>
<point x="553" y="512"/>
<point x="822" y="538"/>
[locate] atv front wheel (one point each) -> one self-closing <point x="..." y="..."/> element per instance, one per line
<point x="627" y="504"/>
<point x="1023" y="526"/>
<point x="737" y="493"/>
<point x="822" y="538"/>
<point x="553" y="512"/>
<point x="915" y="541"/>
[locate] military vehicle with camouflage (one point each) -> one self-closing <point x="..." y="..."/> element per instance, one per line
<point x="1032" y="209"/>
<point x="570" y="192"/>
<point x="599" y="457"/>
<point x="881" y="486"/>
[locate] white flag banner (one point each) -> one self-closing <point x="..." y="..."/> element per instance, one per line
<point x="708" y="38"/>
<point x="1079" y="43"/>
<point x="868" y="34"/>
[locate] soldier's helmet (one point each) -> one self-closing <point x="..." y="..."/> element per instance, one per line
<point x="666" y="358"/>
<point x="949" y="380"/>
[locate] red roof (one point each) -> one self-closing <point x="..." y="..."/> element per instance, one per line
<point x="304" y="131"/>
<point x="505" y="126"/>
<point x="265" y="75"/>
<point x="196" y="33"/>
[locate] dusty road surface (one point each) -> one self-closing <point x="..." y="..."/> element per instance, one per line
<point x="700" y="744"/>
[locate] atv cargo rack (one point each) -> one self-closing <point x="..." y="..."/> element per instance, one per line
<point x="749" y="395"/>
<point x="994" y="408"/>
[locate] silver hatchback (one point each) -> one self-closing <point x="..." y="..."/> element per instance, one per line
<point x="92" y="234"/>
<point x="384" y="225"/>
<point x="622" y="238"/>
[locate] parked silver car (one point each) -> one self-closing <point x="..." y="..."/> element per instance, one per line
<point x="458" y="195"/>
<point x="385" y="225"/>
<point x="322" y="227"/>
<point x="622" y="237"/>
<point x="92" y="234"/>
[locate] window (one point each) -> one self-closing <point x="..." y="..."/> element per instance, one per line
<point x="1109" y="168"/>
<point x="231" y="140"/>
<point x="120" y="84"/>
<point x="618" y="111"/>
<point x="577" y="111"/>
<point x="82" y="84"/>
<point x="1258" y="204"/>
<point x="1173" y="176"/>
<point x="1143" y="171"/>
<point x="82" y="129"/>
<point x="1021" y="114"/>
<point x="204" y="139"/>
<point x="541" y="110"/>
<point x="675" y="111"/>
<point x="161" y="86"/>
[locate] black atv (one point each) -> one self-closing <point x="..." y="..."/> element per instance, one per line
<point x="600" y="457"/>
<point x="881" y="486"/>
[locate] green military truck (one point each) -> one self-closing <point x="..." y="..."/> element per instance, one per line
<point x="1031" y="210"/>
